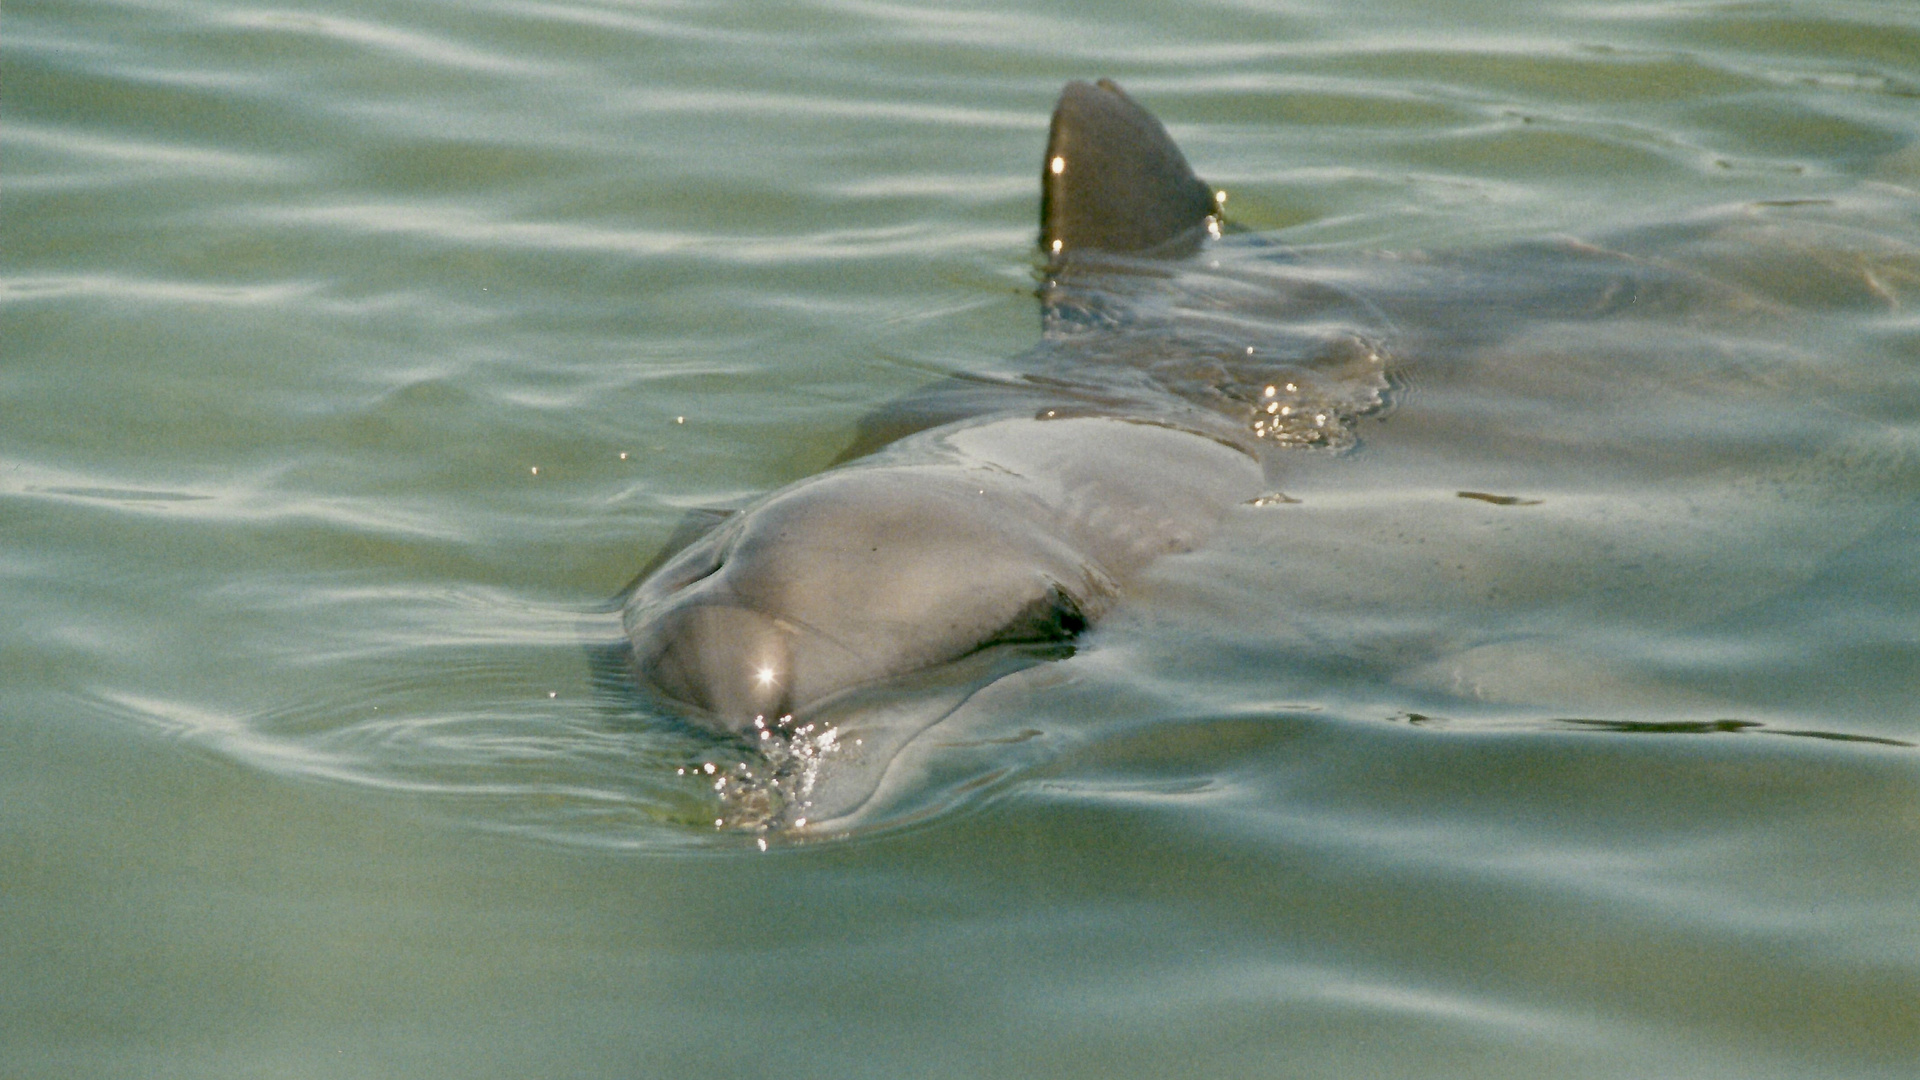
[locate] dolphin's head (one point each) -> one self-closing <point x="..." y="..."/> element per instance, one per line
<point x="848" y="579"/>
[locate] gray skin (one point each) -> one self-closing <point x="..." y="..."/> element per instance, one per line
<point x="1014" y="520"/>
<point x="1015" y="530"/>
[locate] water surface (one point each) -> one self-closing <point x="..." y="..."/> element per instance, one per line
<point x="354" y="355"/>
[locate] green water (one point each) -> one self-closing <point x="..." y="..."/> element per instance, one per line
<point x="353" y="356"/>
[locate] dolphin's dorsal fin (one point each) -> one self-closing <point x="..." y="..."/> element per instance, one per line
<point x="1114" y="181"/>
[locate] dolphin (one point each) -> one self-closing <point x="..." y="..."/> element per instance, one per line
<point x="983" y="514"/>
<point x="983" y="524"/>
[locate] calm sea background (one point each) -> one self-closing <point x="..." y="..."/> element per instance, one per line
<point x="354" y="354"/>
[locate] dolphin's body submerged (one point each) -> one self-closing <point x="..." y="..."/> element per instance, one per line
<point x="1015" y="520"/>
<point x="984" y="523"/>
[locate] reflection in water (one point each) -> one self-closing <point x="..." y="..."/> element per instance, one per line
<point x="1643" y="727"/>
<point x="1498" y="500"/>
<point x="1712" y="727"/>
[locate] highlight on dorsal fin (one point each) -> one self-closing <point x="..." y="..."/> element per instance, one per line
<point x="1114" y="181"/>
